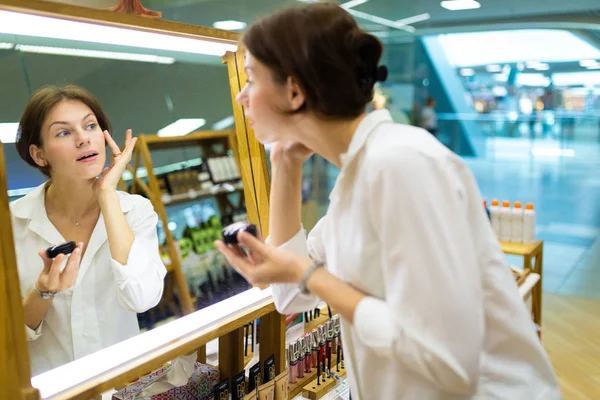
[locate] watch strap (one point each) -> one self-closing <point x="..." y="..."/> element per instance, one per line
<point x="303" y="282"/>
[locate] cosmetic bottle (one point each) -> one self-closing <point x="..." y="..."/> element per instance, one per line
<point x="529" y="223"/>
<point x="315" y="347"/>
<point x="336" y="333"/>
<point x="293" y="362"/>
<point x="300" y="367"/>
<point x="306" y="347"/>
<point x="322" y="342"/>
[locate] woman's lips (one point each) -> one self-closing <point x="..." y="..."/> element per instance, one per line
<point x="89" y="159"/>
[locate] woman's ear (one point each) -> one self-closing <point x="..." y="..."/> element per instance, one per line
<point x="37" y="154"/>
<point x="295" y="94"/>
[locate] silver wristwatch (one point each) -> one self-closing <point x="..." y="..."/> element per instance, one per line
<point x="316" y="264"/>
<point x="44" y="295"/>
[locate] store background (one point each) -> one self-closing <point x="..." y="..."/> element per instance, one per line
<point x="526" y="135"/>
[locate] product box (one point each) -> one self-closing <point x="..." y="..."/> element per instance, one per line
<point x="199" y="386"/>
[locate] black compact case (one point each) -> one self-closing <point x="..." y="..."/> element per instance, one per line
<point x="63" y="248"/>
<point x="222" y="390"/>
<point x="238" y="386"/>
<point x="269" y="370"/>
<point x="230" y="233"/>
<point x="254" y="378"/>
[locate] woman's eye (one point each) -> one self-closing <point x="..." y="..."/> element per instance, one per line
<point x="91" y="126"/>
<point x="62" y="133"/>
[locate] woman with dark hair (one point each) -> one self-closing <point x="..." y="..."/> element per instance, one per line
<point x="405" y="253"/>
<point x="77" y="304"/>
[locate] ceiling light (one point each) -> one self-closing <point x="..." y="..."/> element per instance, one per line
<point x="353" y="3"/>
<point x="542" y="67"/>
<point x="493" y="68"/>
<point x="230" y="25"/>
<point x="520" y="66"/>
<point x="414" y="20"/>
<point x="382" y="21"/>
<point x="458" y="5"/>
<point x="113" y="55"/>
<point x="532" y="64"/>
<point x="552" y="152"/>
<point x="14" y="23"/>
<point x="467" y="72"/>
<point x="224" y="123"/>
<point x="594" y="67"/>
<point x="589" y="63"/>
<point x="500" y="77"/>
<point x="182" y="127"/>
<point x="6" y="46"/>
<point x="8" y="132"/>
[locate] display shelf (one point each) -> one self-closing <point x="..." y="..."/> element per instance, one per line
<point x="199" y="138"/>
<point x="532" y="254"/>
<point x="194" y="195"/>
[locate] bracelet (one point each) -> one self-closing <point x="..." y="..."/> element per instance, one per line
<point x="44" y="295"/>
<point x="316" y="264"/>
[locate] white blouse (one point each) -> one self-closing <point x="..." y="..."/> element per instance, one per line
<point x="443" y="318"/>
<point x="100" y="309"/>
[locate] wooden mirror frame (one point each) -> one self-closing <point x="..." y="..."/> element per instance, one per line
<point x="15" y="372"/>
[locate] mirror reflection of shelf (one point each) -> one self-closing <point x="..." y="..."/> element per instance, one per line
<point x="191" y="195"/>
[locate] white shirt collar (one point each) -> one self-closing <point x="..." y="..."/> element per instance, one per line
<point x="359" y="139"/>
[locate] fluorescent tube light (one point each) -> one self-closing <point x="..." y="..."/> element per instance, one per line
<point x="467" y="72"/>
<point x="589" y="63"/>
<point x="182" y="127"/>
<point x="230" y="25"/>
<point x="459" y="5"/>
<point x="224" y="123"/>
<point x="494" y="68"/>
<point x="113" y="55"/>
<point x="542" y="67"/>
<point x="8" y="132"/>
<point x="414" y="20"/>
<point x="353" y="3"/>
<point x="382" y="21"/>
<point x="6" y="46"/>
<point x="14" y="23"/>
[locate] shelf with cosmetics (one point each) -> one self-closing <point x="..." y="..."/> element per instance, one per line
<point x="198" y="274"/>
<point x="514" y="226"/>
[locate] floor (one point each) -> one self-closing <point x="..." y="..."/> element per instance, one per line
<point x="570" y="329"/>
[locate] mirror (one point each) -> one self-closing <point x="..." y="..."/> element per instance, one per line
<point x="151" y="83"/>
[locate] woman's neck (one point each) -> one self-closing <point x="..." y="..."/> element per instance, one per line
<point x="329" y="139"/>
<point x="72" y="199"/>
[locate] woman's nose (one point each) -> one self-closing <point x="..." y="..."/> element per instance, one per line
<point x="82" y="137"/>
<point x="241" y="97"/>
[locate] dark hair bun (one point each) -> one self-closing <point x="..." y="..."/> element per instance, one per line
<point x="382" y="73"/>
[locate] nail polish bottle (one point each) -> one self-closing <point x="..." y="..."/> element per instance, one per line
<point x="293" y="363"/>
<point x="315" y="348"/>
<point x="307" y="348"/>
<point x="300" y="352"/>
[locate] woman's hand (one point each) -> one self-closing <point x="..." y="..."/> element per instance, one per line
<point x="51" y="279"/>
<point x="290" y="152"/>
<point x="264" y="264"/>
<point x="110" y="176"/>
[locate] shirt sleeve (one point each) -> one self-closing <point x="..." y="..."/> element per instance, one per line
<point x="140" y="282"/>
<point x="431" y="319"/>
<point x="287" y="297"/>
<point x="34" y="334"/>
